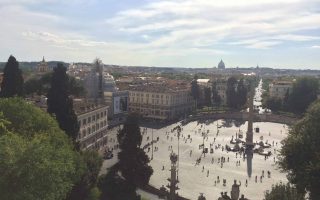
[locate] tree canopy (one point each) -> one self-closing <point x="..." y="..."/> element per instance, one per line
<point x="60" y="104"/>
<point x="283" y="192"/>
<point x="38" y="160"/>
<point x="12" y="83"/>
<point x="114" y="187"/>
<point x="87" y="185"/>
<point x="300" y="155"/>
<point x="133" y="161"/>
<point x="304" y="92"/>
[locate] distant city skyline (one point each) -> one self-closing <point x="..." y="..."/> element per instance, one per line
<point x="175" y="33"/>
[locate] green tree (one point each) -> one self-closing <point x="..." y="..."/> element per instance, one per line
<point x="60" y="104"/>
<point x="133" y="161"/>
<point x="195" y="90"/>
<point x="231" y="92"/>
<point x="241" y="93"/>
<point x="207" y="96"/>
<point x="37" y="158"/>
<point x="42" y="85"/>
<point x="113" y="186"/>
<point x="304" y="92"/>
<point x="12" y="82"/>
<point x="283" y="192"/>
<point x="26" y="119"/>
<point x="216" y="99"/>
<point x="85" y="188"/>
<point x="273" y="103"/>
<point x="300" y="153"/>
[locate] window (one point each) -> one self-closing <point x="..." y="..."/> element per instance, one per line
<point x="93" y="118"/>
<point x="84" y="121"/>
<point x="89" y="119"/>
<point x="88" y="130"/>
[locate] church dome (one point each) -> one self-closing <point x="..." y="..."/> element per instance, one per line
<point x="221" y="65"/>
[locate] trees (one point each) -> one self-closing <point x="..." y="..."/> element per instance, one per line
<point x="216" y="99"/>
<point x="60" y="104"/>
<point x="231" y="92"/>
<point x="114" y="187"/>
<point x="283" y="192"/>
<point x="242" y="92"/>
<point x="12" y="79"/>
<point x="304" y="92"/>
<point x="85" y="188"/>
<point x="41" y="85"/>
<point x="207" y="96"/>
<point x="275" y="104"/>
<point x="37" y="158"/>
<point x="195" y="89"/>
<point x="300" y="153"/>
<point x="133" y="161"/>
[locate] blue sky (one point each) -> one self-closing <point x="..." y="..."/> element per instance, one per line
<point x="181" y="33"/>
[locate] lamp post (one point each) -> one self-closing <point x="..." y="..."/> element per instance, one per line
<point x="152" y="143"/>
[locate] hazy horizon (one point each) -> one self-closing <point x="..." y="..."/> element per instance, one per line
<point x="280" y="34"/>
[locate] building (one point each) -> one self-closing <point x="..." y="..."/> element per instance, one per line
<point x="94" y="81"/>
<point x="160" y="101"/>
<point x="109" y="83"/>
<point x="118" y="106"/>
<point x="221" y="65"/>
<point x="93" y="122"/>
<point x="278" y="89"/>
<point x="204" y="82"/>
<point x="42" y="67"/>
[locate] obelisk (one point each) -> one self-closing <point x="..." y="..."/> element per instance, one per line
<point x="249" y="135"/>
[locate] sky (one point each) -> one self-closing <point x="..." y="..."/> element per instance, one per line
<point x="166" y="33"/>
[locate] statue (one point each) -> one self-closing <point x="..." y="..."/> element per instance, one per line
<point x="201" y="197"/>
<point x="235" y="191"/>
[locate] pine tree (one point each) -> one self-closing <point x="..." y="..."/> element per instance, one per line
<point x="12" y="83"/>
<point x="60" y="104"/>
<point x="133" y="161"/>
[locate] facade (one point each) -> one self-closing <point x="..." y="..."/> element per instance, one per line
<point x="278" y="89"/>
<point x="160" y="102"/>
<point x="42" y="67"/>
<point x="109" y="83"/>
<point x="93" y="122"/>
<point x="204" y="82"/>
<point x="118" y="103"/>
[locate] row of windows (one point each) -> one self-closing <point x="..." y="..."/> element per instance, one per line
<point x="92" y="129"/>
<point x="92" y="118"/>
<point x="147" y="95"/>
<point x="93" y="140"/>
<point x="166" y="102"/>
<point x="161" y="113"/>
<point x="177" y="95"/>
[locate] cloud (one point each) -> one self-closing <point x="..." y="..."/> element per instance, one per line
<point x="195" y="30"/>
<point x="316" y="47"/>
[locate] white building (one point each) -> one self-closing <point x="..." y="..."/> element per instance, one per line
<point x="278" y="89"/>
<point x="93" y="122"/>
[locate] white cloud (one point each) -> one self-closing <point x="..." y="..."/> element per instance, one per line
<point x="316" y="47"/>
<point x="160" y="29"/>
